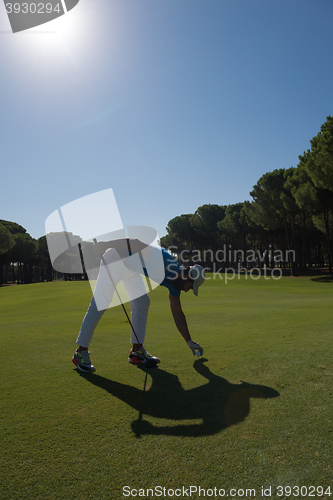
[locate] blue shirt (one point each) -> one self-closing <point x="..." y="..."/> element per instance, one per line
<point x="172" y="268"/>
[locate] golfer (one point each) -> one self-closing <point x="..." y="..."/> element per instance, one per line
<point x="121" y="257"/>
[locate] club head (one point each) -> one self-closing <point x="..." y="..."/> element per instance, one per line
<point x="150" y="363"/>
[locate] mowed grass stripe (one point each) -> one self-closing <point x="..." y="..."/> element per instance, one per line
<point x="62" y="433"/>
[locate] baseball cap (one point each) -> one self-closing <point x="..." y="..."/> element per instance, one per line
<point x="197" y="274"/>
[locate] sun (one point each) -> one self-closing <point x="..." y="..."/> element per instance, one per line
<point x="62" y="38"/>
<point x="61" y="60"/>
<point x="65" y="43"/>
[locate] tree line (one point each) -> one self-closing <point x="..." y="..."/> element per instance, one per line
<point x="288" y="223"/>
<point x="23" y="259"/>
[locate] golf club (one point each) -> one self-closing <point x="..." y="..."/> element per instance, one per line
<point x="149" y="363"/>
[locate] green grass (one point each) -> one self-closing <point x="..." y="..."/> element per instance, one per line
<point x="257" y="413"/>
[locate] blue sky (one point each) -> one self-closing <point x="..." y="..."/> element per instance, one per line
<point x="171" y="103"/>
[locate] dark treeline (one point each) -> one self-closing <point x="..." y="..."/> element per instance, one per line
<point x="24" y="259"/>
<point x="288" y="223"/>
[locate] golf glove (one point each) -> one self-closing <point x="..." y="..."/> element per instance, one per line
<point x="195" y="347"/>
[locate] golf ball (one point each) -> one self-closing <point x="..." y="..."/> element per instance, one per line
<point x="197" y="353"/>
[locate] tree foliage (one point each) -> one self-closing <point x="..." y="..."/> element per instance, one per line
<point x="318" y="161"/>
<point x="6" y="239"/>
<point x="291" y="209"/>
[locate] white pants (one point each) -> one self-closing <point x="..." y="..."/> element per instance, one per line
<point x="104" y="294"/>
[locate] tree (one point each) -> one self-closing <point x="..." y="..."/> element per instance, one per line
<point x="296" y="184"/>
<point x="6" y="239"/>
<point x="205" y="221"/>
<point x="13" y="227"/>
<point x="235" y="226"/>
<point x="6" y="242"/>
<point x="23" y="253"/>
<point x="43" y="260"/>
<point x="318" y="161"/>
<point x="9" y="231"/>
<point x="274" y="206"/>
<point x="181" y="233"/>
<point x="316" y="200"/>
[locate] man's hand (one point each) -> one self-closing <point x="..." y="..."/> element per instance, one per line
<point x="195" y="347"/>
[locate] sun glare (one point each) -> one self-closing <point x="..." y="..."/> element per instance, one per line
<point x="61" y="38"/>
<point x="63" y="57"/>
<point x="66" y="43"/>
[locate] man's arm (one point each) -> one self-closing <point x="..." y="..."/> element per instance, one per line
<point x="179" y="317"/>
<point x="181" y="324"/>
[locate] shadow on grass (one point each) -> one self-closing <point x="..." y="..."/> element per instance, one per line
<point x="218" y="403"/>
<point x="323" y="279"/>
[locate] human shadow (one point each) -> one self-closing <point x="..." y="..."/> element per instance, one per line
<point x="323" y="279"/>
<point x="217" y="403"/>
